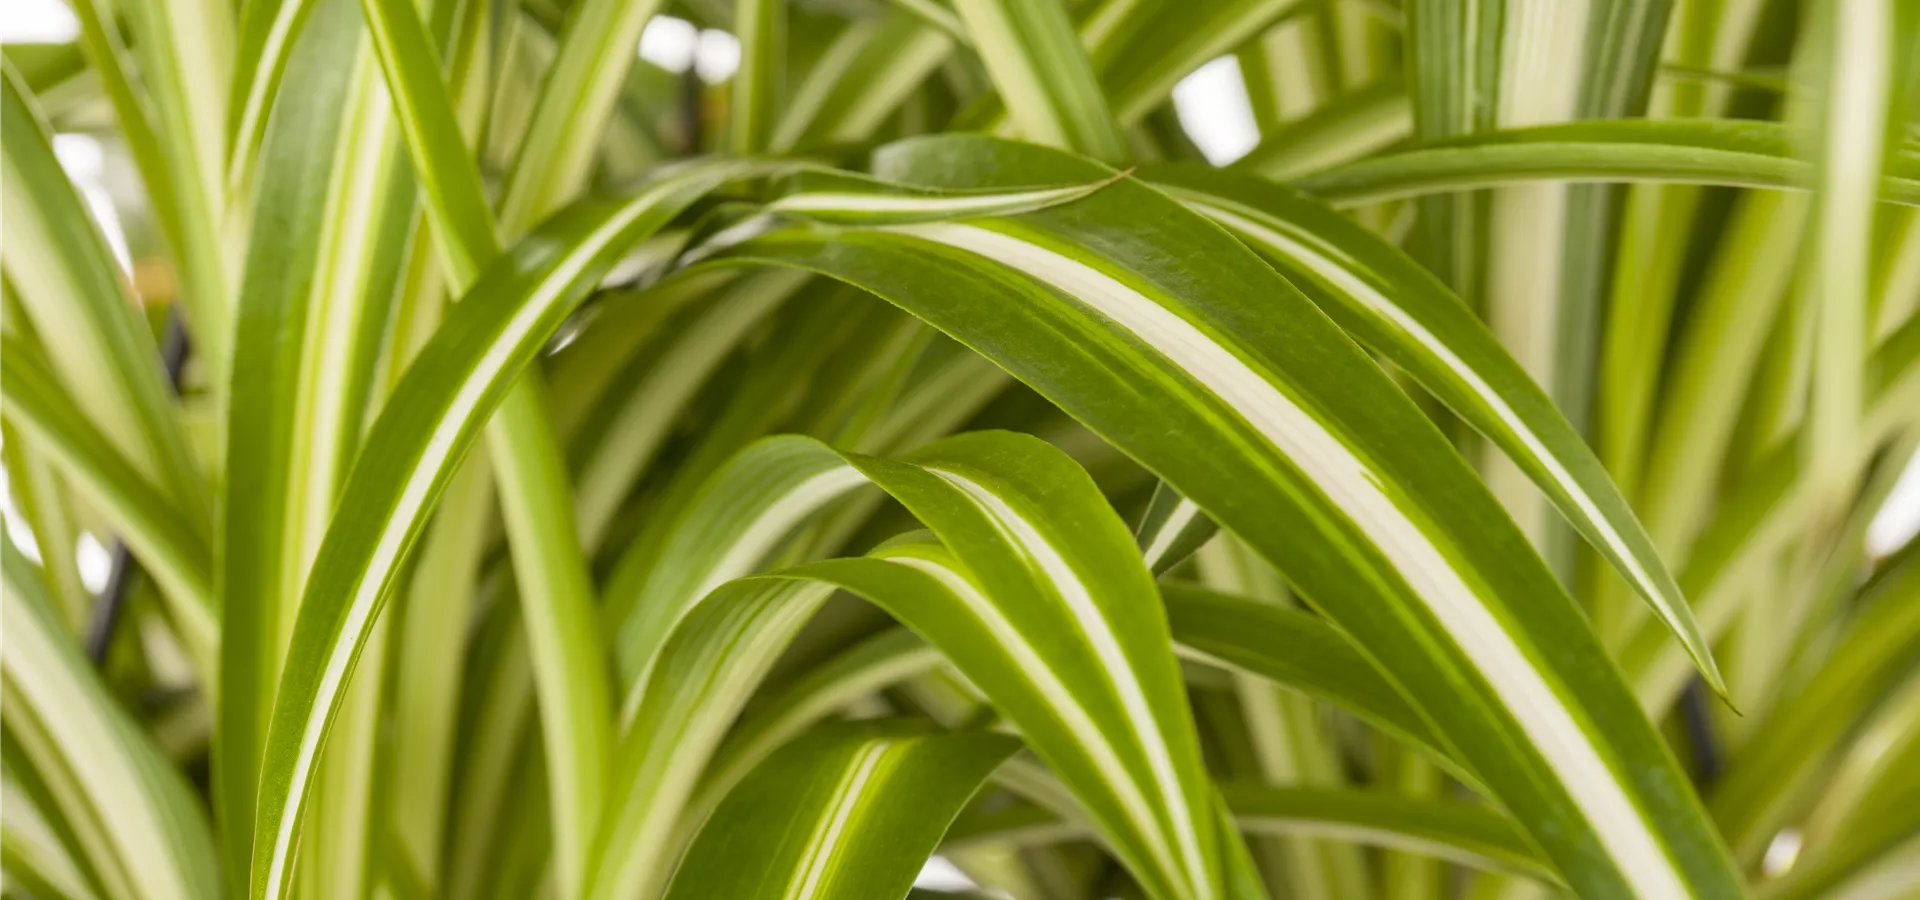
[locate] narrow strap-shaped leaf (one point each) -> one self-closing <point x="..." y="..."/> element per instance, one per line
<point x="1714" y="361"/>
<point x="851" y="811"/>
<point x="1703" y="151"/>
<point x="1235" y="389"/>
<point x="555" y="587"/>
<point x="184" y="51"/>
<point x="1469" y="834"/>
<point x="34" y="851"/>
<point x="1171" y="529"/>
<point x="761" y="26"/>
<point x="41" y="495"/>
<point x="1755" y="521"/>
<point x="188" y="229"/>
<point x="1877" y="773"/>
<point x="635" y="415"/>
<point x="852" y="91"/>
<point x="269" y="522"/>
<point x="916" y="582"/>
<point x="166" y="543"/>
<point x="426" y="427"/>
<point x="365" y="235"/>
<point x="268" y="32"/>
<point x="1055" y="636"/>
<point x="1857" y="42"/>
<point x="1047" y="556"/>
<point x="578" y="95"/>
<point x="715" y="658"/>
<point x="849" y="200"/>
<point x="1753" y="798"/>
<point x="1041" y="69"/>
<point x="535" y="496"/>
<point x="424" y="107"/>
<point x="1143" y="59"/>
<point x="1394" y="306"/>
<point x="776" y="716"/>
<point x="1294" y="649"/>
<point x="747" y="508"/>
<point x="157" y="842"/>
<point x="1865" y="824"/>
<point x="70" y="286"/>
<point x="444" y="587"/>
<point x="1454" y="59"/>
<point x="1344" y="129"/>
<point x="1286" y="740"/>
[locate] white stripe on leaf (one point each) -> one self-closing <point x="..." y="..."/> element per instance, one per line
<point x="1320" y="258"/>
<point x="861" y="770"/>
<point x="1060" y="700"/>
<point x="434" y="456"/>
<point x="1356" y="489"/>
<point x="1100" y="635"/>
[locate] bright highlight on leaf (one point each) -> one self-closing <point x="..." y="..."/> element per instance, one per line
<point x="904" y="451"/>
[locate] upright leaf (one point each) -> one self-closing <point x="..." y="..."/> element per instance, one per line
<point x="71" y="287"/>
<point x="267" y="528"/>
<point x="762" y="29"/>
<point x="165" y="541"/>
<point x="1037" y="62"/>
<point x="410" y="453"/>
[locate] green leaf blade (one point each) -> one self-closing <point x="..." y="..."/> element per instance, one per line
<point x="1141" y="386"/>
<point x="850" y="812"/>
<point x="1397" y="308"/>
<point x="156" y="839"/>
<point x="1041" y="69"/>
<point x="462" y="374"/>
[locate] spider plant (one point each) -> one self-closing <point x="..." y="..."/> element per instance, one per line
<point x="532" y="472"/>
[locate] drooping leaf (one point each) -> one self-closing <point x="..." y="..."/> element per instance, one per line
<point x="1178" y="368"/>
<point x="1092" y="697"/>
<point x="1460" y="832"/>
<point x="1294" y="649"/>
<point x="1387" y="301"/>
<point x="845" y="812"/>
<point x="1708" y="151"/>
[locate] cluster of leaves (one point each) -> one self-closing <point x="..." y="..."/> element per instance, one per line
<point x="585" y="482"/>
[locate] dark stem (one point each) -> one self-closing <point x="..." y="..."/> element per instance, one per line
<point x="1696" y="718"/>
<point x="108" y="611"/>
<point x="692" y="121"/>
